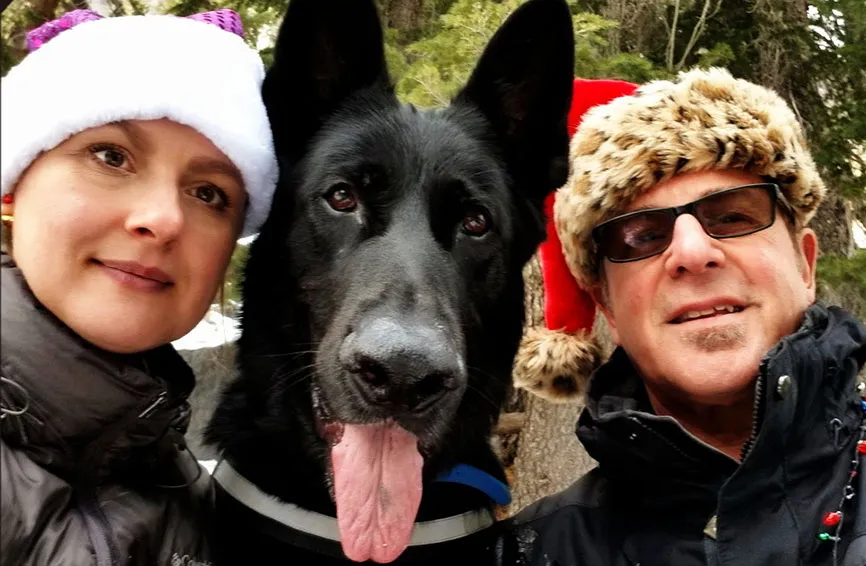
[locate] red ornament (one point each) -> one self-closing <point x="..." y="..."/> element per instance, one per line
<point x="8" y="199"/>
<point x="832" y="519"/>
<point x="861" y="446"/>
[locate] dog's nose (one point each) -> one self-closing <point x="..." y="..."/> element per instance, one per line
<point x="403" y="366"/>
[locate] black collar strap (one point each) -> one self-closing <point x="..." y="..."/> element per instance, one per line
<point x="325" y="527"/>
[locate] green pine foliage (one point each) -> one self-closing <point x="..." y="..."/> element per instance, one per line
<point x="429" y="72"/>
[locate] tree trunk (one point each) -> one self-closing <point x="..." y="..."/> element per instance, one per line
<point x="45" y="9"/>
<point x="779" y="57"/>
<point x="779" y="53"/>
<point x="406" y="16"/>
<point x="640" y="25"/>
<point x="549" y="457"/>
<point x="214" y="368"/>
<point x="833" y="223"/>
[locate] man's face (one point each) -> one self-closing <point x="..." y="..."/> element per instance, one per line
<point x="652" y="304"/>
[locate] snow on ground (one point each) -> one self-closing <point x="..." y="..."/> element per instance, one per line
<point x="859" y="235"/>
<point x="213" y="330"/>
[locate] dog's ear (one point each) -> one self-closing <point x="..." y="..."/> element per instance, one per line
<point x="523" y="84"/>
<point x="326" y="50"/>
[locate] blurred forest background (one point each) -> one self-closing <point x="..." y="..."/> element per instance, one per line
<point x="812" y="52"/>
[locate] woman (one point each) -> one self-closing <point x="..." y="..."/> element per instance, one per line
<point x="135" y="151"/>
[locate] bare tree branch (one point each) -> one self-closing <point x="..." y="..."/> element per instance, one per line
<point x="699" y="29"/>
<point x="672" y="37"/>
<point x="432" y="92"/>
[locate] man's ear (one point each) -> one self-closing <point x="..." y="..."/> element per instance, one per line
<point x="808" y="243"/>
<point x="602" y="300"/>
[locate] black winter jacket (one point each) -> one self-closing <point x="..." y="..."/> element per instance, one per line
<point x="91" y="448"/>
<point x="661" y="497"/>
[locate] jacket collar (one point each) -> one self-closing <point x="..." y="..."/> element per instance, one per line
<point x="819" y="362"/>
<point x="72" y="405"/>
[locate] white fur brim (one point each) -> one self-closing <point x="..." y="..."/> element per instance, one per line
<point x="144" y="68"/>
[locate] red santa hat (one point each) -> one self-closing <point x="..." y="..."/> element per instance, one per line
<point x="555" y="362"/>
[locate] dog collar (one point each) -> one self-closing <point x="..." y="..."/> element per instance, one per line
<point x="480" y="480"/>
<point x="325" y="527"/>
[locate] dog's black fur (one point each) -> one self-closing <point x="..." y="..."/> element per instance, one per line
<point x="408" y="306"/>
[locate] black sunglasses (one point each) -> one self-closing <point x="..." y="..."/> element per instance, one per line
<point x="729" y="213"/>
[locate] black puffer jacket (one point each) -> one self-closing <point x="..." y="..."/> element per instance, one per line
<point x="91" y="445"/>
<point x="660" y="497"/>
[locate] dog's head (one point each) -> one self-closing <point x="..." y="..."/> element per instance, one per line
<point x="392" y="257"/>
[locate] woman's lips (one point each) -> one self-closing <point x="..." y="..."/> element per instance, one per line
<point x="135" y="275"/>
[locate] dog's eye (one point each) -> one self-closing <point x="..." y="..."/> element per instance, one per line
<point x="342" y="198"/>
<point x="476" y="222"/>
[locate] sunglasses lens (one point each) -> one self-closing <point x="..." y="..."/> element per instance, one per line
<point x="636" y="236"/>
<point x="726" y="214"/>
<point x="737" y="212"/>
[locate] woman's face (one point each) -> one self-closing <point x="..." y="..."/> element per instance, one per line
<point x="124" y="231"/>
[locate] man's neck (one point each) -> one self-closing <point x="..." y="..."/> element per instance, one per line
<point x="724" y="427"/>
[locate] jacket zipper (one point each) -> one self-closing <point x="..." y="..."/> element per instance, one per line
<point x="104" y="547"/>
<point x="711" y="550"/>
<point x="154" y="405"/>
<point x="99" y="529"/>
<point x="711" y="546"/>
<point x="756" y="411"/>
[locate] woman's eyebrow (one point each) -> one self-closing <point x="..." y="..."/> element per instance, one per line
<point x="203" y="165"/>
<point x="135" y="133"/>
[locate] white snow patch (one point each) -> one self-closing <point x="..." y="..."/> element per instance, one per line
<point x="213" y="330"/>
<point x="859" y="234"/>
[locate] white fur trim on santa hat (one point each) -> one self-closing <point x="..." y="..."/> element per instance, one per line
<point x="142" y="68"/>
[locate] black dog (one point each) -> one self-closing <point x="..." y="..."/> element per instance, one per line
<point x="383" y="298"/>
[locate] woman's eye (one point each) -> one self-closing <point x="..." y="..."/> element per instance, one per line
<point x="476" y="222"/>
<point x="212" y="195"/>
<point x="342" y="198"/>
<point x="110" y="156"/>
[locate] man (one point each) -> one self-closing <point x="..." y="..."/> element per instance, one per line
<point x="727" y="424"/>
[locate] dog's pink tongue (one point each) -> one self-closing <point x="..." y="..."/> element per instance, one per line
<point x="377" y="487"/>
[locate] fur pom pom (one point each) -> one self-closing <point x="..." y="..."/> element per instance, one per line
<point x="555" y="365"/>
